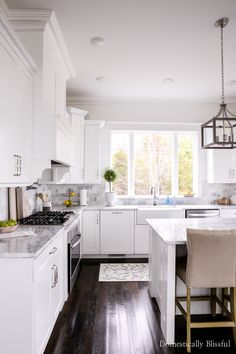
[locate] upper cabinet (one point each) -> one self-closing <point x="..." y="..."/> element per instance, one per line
<point x="53" y="138"/>
<point x="16" y="90"/>
<point x="77" y="119"/>
<point x="92" y="151"/>
<point x="221" y="166"/>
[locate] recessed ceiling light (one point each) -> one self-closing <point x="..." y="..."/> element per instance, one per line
<point x="97" y="41"/>
<point x="168" y="80"/>
<point x="231" y="82"/>
<point x="100" y="79"/>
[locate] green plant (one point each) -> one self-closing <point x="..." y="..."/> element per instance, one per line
<point x="109" y="176"/>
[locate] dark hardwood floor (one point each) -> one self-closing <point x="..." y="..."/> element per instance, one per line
<point x="119" y="318"/>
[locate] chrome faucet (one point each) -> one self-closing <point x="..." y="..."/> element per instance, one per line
<point x="155" y="198"/>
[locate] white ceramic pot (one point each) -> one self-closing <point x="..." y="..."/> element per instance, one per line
<point x="110" y="198"/>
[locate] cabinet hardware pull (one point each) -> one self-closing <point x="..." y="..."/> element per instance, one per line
<point x="75" y="244"/>
<point x="97" y="173"/>
<point x="117" y="212"/>
<point x="54" y="275"/>
<point x="53" y="250"/>
<point x="97" y="219"/>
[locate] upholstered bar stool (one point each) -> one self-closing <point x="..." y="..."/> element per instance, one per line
<point x="210" y="263"/>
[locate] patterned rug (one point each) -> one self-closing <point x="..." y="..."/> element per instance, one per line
<point x="124" y="272"/>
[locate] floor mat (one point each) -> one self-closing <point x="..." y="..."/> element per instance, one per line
<point x="124" y="272"/>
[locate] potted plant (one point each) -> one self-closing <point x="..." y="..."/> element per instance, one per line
<point x="110" y="197"/>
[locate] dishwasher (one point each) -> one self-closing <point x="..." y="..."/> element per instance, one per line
<point x="202" y="213"/>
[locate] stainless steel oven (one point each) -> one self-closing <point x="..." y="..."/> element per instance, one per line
<point x="74" y="252"/>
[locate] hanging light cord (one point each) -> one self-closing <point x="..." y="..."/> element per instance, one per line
<point x="222" y="65"/>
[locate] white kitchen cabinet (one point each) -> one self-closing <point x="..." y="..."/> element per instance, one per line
<point x="90" y="234"/>
<point x="141" y="243"/>
<point x="221" y="166"/>
<point x="53" y="139"/>
<point x="32" y="298"/>
<point x="92" y="151"/>
<point x="117" y="232"/>
<point x="16" y="90"/>
<point x="158" y="213"/>
<point x="228" y="213"/>
<point x="77" y="118"/>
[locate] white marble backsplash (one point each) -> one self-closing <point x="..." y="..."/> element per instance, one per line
<point x="95" y="193"/>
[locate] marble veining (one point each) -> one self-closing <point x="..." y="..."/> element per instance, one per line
<point x="29" y="246"/>
<point x="173" y="231"/>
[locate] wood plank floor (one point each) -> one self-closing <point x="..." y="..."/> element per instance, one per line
<point x="118" y="318"/>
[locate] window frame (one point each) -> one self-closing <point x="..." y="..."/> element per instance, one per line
<point x="174" y="159"/>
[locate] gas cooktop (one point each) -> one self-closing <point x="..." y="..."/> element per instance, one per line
<point x="47" y="218"/>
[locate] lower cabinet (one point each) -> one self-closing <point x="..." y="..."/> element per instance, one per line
<point x="90" y="226"/>
<point x="141" y="244"/>
<point x="117" y="232"/>
<point x="228" y="213"/>
<point x="32" y="299"/>
<point x="49" y="294"/>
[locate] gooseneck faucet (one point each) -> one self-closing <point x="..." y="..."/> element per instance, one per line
<point x="154" y="194"/>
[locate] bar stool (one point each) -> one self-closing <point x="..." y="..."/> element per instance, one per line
<point x="210" y="263"/>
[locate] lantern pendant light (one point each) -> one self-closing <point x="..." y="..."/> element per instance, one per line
<point x="220" y="131"/>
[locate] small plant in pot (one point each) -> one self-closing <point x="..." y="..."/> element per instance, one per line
<point x="110" y="197"/>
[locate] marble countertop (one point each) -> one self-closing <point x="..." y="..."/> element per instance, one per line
<point x="28" y="246"/>
<point x="173" y="231"/>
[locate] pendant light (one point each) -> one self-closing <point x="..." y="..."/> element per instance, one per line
<point x="220" y="131"/>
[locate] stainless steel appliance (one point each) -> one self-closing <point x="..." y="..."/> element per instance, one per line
<point x="48" y="218"/>
<point x="74" y="252"/>
<point x="202" y="213"/>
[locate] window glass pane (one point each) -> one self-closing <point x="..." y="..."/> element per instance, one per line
<point x="185" y="164"/>
<point x="120" y="153"/>
<point x="152" y="163"/>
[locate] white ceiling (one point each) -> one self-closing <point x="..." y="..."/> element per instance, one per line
<point x="147" y="41"/>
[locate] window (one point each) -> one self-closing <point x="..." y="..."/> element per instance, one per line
<point x="162" y="159"/>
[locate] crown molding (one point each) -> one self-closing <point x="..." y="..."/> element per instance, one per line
<point x="14" y="39"/>
<point x="37" y="20"/>
<point x="78" y="100"/>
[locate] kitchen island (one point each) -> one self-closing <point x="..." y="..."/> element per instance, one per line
<point x="167" y="241"/>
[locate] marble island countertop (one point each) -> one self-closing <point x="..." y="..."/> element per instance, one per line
<point x="173" y="231"/>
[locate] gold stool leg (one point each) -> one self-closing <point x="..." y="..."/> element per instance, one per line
<point x="188" y="320"/>
<point x="233" y="310"/>
<point x="213" y="302"/>
<point x="225" y="302"/>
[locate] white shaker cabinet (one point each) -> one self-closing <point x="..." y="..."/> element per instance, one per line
<point x="77" y="118"/>
<point x="16" y="90"/>
<point x="91" y="228"/>
<point x="228" y="213"/>
<point x="117" y="232"/>
<point x="92" y="151"/>
<point x="221" y="166"/>
<point x="33" y="298"/>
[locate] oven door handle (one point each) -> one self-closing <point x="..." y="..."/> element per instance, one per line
<point x="75" y="244"/>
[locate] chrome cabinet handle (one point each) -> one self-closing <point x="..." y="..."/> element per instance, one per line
<point x="75" y="244"/>
<point x="18" y="165"/>
<point x="97" y="218"/>
<point x="54" y="275"/>
<point x="117" y="212"/>
<point x="53" y="250"/>
<point x="98" y="173"/>
<point x="82" y="173"/>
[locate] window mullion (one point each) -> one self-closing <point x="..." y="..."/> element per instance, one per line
<point x="131" y="165"/>
<point x="175" y="165"/>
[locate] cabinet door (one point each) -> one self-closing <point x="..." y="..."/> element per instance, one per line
<point x="8" y="132"/>
<point x="23" y="121"/>
<point x="77" y="171"/>
<point x="117" y="232"/>
<point x="92" y="154"/>
<point x="42" y="303"/>
<point x="90" y="232"/>
<point x="57" y="282"/>
<point x="228" y="213"/>
<point x="141" y="239"/>
<point x="219" y="166"/>
<point x="60" y="95"/>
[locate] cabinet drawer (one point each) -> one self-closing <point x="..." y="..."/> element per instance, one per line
<point x="228" y="213"/>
